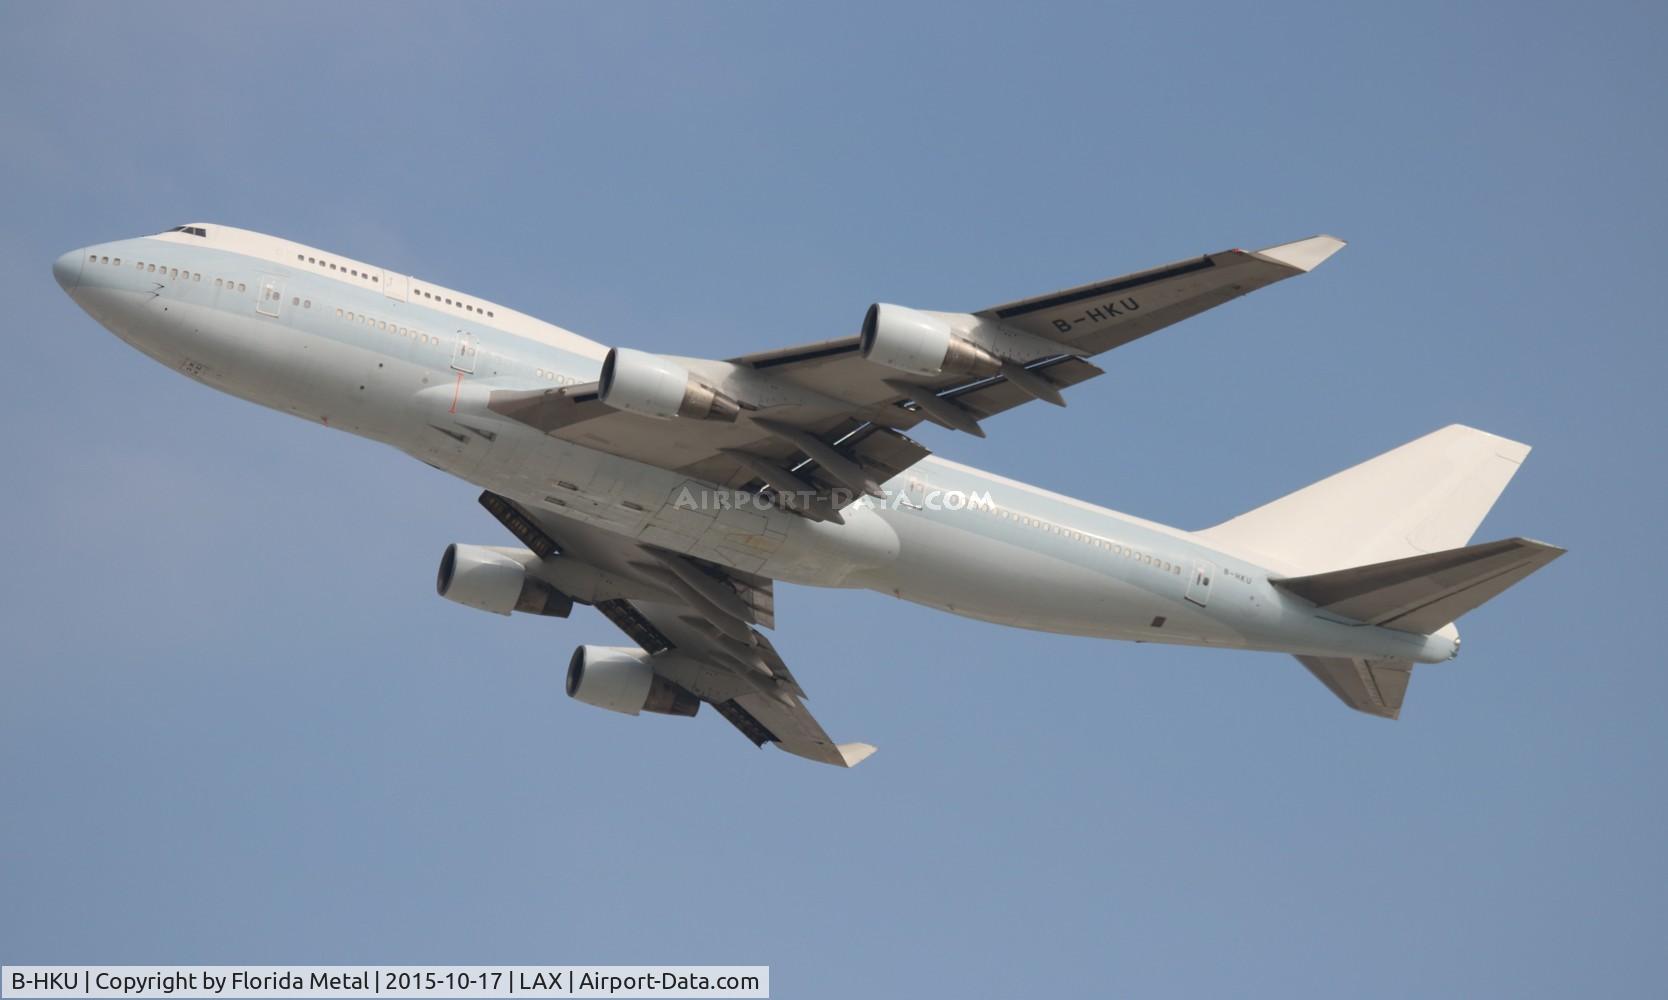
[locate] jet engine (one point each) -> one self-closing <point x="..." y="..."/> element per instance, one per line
<point x="659" y="387"/>
<point x="620" y="679"/>
<point x="921" y="344"/>
<point x="491" y="580"/>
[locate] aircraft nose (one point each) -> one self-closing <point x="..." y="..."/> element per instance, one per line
<point x="67" y="270"/>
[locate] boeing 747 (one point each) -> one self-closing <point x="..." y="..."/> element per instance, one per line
<point x="670" y="493"/>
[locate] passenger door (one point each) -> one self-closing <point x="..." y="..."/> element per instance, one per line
<point x="1198" y="588"/>
<point x="463" y="356"/>
<point x="270" y="301"/>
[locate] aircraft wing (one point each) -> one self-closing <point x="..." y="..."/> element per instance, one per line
<point x="828" y="448"/>
<point x="824" y="422"/>
<point x="700" y="635"/>
<point x="1083" y="321"/>
<point x="766" y="708"/>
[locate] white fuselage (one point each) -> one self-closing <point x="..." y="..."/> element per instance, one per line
<point x="409" y="363"/>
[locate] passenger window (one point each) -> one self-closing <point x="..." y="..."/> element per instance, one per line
<point x="150" y="267"/>
<point x="242" y="287"/>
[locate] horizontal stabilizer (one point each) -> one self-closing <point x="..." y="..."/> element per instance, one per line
<point x="1372" y="686"/>
<point x="1425" y="592"/>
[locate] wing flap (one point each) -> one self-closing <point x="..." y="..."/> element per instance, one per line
<point x="991" y="396"/>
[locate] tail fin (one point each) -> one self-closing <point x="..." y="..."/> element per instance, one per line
<point x="1423" y="593"/>
<point x="1426" y="496"/>
<point x="1382" y="543"/>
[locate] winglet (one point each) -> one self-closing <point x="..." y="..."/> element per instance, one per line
<point x="854" y="753"/>
<point x="1304" y="255"/>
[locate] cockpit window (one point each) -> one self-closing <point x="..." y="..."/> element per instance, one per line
<point x="190" y="230"/>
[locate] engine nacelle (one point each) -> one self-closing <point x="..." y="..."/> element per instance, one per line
<point x="478" y="577"/>
<point x="659" y="387"/>
<point x="620" y="679"/>
<point x="921" y="344"/>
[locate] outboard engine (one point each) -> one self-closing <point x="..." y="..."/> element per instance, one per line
<point x="620" y="679"/>
<point x="493" y="580"/>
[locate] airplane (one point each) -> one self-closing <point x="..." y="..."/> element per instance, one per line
<point x="671" y="493"/>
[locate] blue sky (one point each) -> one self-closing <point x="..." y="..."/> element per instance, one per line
<point x="236" y="725"/>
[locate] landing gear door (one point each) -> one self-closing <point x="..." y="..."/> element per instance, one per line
<point x="463" y="356"/>
<point x="1198" y="587"/>
<point x="270" y="301"/>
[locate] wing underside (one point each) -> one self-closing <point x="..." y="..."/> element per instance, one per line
<point x="697" y="638"/>
<point x="834" y="428"/>
<point x="1083" y="321"/>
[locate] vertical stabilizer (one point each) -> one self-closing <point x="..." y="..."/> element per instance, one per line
<point x="1426" y="496"/>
